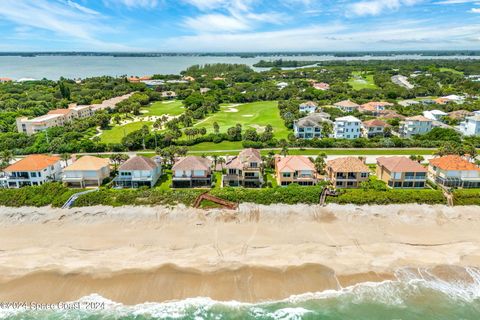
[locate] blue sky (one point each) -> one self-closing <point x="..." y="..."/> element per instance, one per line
<point x="238" y="25"/>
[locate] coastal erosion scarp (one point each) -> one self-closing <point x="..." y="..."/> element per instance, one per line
<point x="137" y="254"/>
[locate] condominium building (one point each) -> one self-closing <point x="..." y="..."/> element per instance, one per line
<point x="347" y="128"/>
<point x="471" y="125"/>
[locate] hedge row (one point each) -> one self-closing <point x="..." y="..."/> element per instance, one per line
<point x="150" y="197"/>
<point x="287" y="195"/>
<point x="360" y="196"/>
<point x="466" y="197"/>
<point x="54" y="194"/>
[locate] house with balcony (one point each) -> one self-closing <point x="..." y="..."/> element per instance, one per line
<point x="33" y="170"/>
<point x="347" y="172"/>
<point x="453" y="171"/>
<point x="295" y="169"/>
<point x="245" y="170"/>
<point x="307" y="107"/>
<point x="347" y="106"/>
<point x="374" y="128"/>
<point x="192" y="171"/>
<point x="311" y="126"/>
<point x="415" y="125"/>
<point x="434" y="115"/>
<point x="138" y="172"/>
<point x="347" y="128"/>
<point x="471" y="125"/>
<point x="401" y="172"/>
<point x="87" y="171"/>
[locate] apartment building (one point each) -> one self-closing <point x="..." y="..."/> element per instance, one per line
<point x="471" y="125"/>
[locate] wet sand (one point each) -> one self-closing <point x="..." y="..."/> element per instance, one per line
<point x="138" y="254"/>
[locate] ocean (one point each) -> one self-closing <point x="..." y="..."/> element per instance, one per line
<point x="411" y="297"/>
<point x="72" y="67"/>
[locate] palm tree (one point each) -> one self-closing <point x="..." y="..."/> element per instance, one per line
<point x="65" y="157"/>
<point x="320" y="163"/>
<point x="215" y="160"/>
<point x="117" y="159"/>
<point x="5" y="157"/>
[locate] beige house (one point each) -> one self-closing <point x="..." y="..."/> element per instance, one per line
<point x="244" y="170"/>
<point x="347" y="106"/>
<point x="192" y="171"/>
<point x="347" y="172"/>
<point x="87" y="171"/>
<point x="401" y="172"/>
<point x="295" y="169"/>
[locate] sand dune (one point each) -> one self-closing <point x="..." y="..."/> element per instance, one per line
<point x="138" y="254"/>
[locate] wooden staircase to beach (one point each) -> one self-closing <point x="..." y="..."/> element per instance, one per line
<point x="224" y="203"/>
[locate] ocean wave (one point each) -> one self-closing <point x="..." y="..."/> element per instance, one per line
<point x="455" y="286"/>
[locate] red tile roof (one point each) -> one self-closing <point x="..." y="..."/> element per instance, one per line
<point x="375" y="123"/>
<point x="453" y="163"/>
<point x="347" y="164"/>
<point x="400" y="164"/>
<point x="34" y="162"/>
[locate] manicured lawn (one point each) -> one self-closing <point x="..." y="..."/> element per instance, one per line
<point x="165" y="181"/>
<point x="210" y="146"/>
<point x="115" y="134"/>
<point x="218" y="180"/>
<point x="250" y="115"/>
<point x="159" y="108"/>
<point x="366" y="81"/>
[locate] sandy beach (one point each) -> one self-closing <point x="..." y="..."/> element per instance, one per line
<point x="137" y="254"/>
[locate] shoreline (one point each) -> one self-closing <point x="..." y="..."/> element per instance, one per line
<point x="138" y="254"/>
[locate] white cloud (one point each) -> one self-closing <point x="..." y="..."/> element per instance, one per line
<point x="475" y="10"/>
<point x="376" y="7"/>
<point x="456" y="1"/>
<point x="146" y="4"/>
<point x="66" y="20"/>
<point x="215" y="23"/>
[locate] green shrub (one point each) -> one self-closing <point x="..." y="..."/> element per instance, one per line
<point x="397" y="196"/>
<point x="54" y="194"/>
<point x="466" y="197"/>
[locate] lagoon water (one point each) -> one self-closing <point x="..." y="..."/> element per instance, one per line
<point x="54" y="67"/>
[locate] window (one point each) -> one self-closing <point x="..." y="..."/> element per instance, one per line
<point x="125" y="173"/>
<point x="419" y="184"/>
<point x="364" y="174"/>
<point x="253" y="164"/>
<point x="349" y="183"/>
<point x="250" y="174"/>
<point x="33" y="174"/>
<point x="398" y="184"/>
<point x="286" y="174"/>
<point x="232" y="171"/>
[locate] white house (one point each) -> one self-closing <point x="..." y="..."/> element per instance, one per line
<point x="347" y="106"/>
<point x="454" y="171"/>
<point x="347" y="128"/>
<point x="435" y="115"/>
<point x="471" y="125"/>
<point x="33" y="170"/>
<point x="137" y="172"/>
<point x="308" y="107"/>
<point x="282" y="85"/>
<point x="311" y="126"/>
<point x="415" y="125"/>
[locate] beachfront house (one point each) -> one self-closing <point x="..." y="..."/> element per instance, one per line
<point x="244" y="170"/>
<point x="415" y="125"/>
<point x="295" y="169"/>
<point x="401" y="172"/>
<point x="33" y="170"/>
<point x="347" y="127"/>
<point x="471" y="125"/>
<point x="307" y="107"/>
<point x="87" y="171"/>
<point x="137" y="172"/>
<point x="347" y="106"/>
<point x="454" y="171"/>
<point x="192" y="171"/>
<point x="347" y="172"/>
<point x="311" y="126"/>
